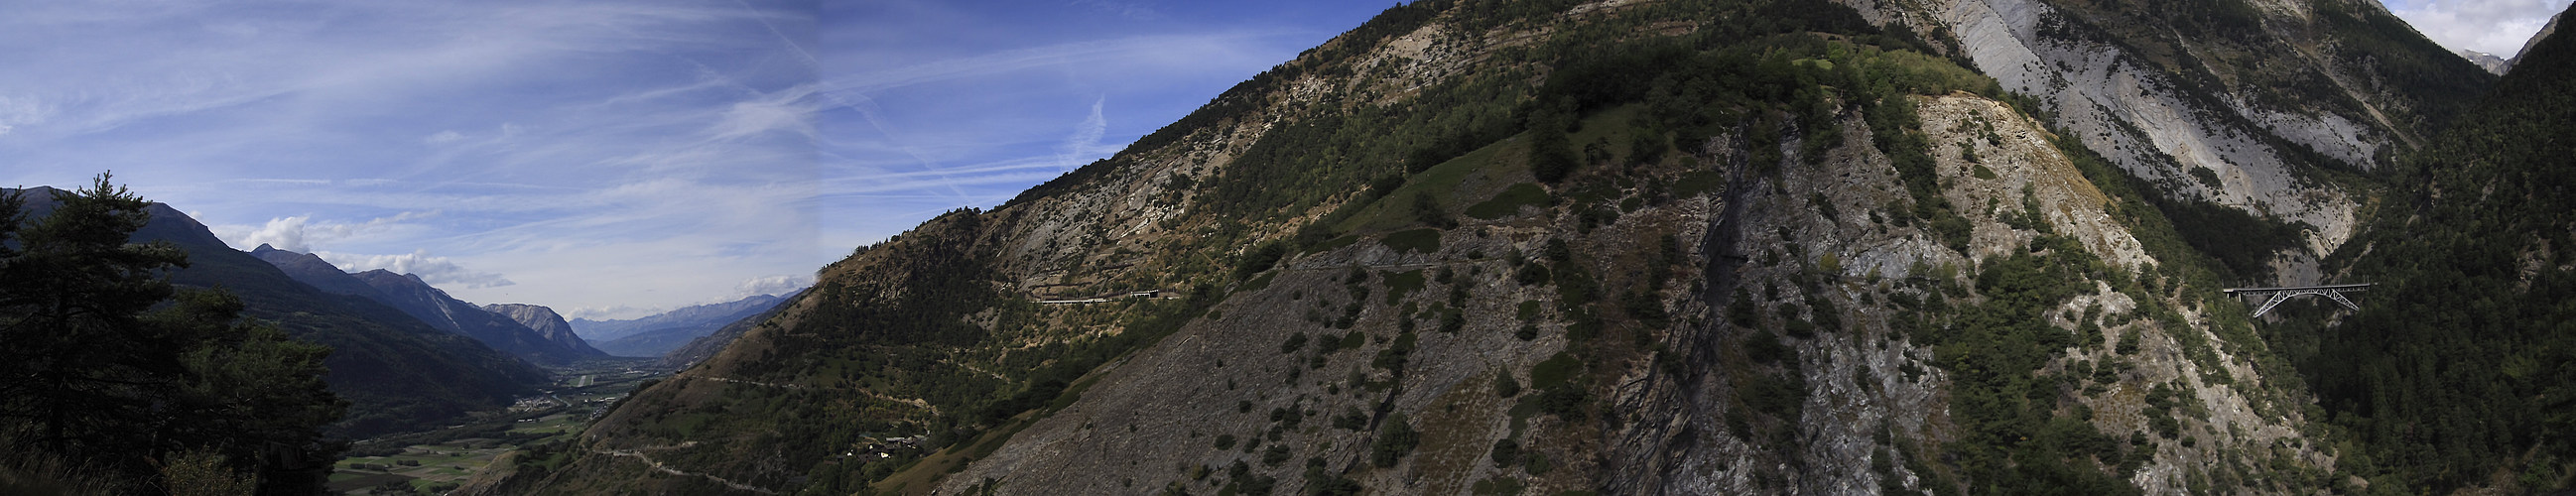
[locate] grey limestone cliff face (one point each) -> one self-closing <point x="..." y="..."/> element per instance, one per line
<point x="546" y="324"/>
<point x="1874" y="384"/>
<point x="1228" y="389"/>
<point x="2166" y="117"/>
<point x="2488" y="61"/>
<point x="1301" y="372"/>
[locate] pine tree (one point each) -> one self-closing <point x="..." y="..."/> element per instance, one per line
<point x="94" y="375"/>
<point x="81" y="370"/>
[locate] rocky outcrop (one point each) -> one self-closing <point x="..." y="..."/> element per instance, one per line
<point x="2488" y="61"/>
<point x="2247" y="111"/>
<point x="546" y="323"/>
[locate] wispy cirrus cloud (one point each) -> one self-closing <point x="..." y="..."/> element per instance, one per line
<point x="1129" y="51"/>
<point x="619" y="156"/>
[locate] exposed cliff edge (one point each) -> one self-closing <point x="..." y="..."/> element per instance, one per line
<point x="547" y="324"/>
<point x="2249" y="104"/>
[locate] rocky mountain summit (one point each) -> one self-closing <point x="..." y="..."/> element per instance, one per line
<point x="546" y="323"/>
<point x="2488" y="61"/>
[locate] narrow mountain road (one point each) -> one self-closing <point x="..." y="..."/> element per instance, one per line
<point x="638" y="455"/>
<point x="916" y="402"/>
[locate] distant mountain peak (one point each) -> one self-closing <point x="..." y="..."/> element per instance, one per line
<point x="417" y="297"/>
<point x="545" y="322"/>
<point x="2488" y="61"/>
<point x="665" y="332"/>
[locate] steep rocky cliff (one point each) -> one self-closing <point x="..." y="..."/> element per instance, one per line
<point x="1548" y="246"/>
<point x="2261" y="106"/>
<point x="546" y="324"/>
<point x="2488" y="61"/>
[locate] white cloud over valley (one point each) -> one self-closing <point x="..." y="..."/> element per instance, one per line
<point x="431" y="269"/>
<point x="770" y="285"/>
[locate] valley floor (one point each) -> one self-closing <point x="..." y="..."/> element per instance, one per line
<point x="436" y="461"/>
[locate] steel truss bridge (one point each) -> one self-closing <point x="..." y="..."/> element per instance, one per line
<point x="2333" y="291"/>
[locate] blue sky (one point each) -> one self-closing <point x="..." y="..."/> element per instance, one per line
<point x="606" y="158"/>
<point x="612" y="158"/>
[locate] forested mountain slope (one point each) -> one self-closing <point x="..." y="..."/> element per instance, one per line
<point x="2460" y="370"/>
<point x="396" y="372"/>
<point x="1627" y="247"/>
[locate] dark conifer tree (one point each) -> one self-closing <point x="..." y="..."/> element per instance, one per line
<point x="95" y="376"/>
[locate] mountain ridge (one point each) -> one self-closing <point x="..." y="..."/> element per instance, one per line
<point x="1625" y="247"/>
<point x="718" y="314"/>
<point x="433" y="306"/>
<point x="311" y="269"/>
<point x="502" y="331"/>
<point x="397" y="372"/>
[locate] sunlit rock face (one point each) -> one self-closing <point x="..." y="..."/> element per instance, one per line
<point x="2247" y="106"/>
